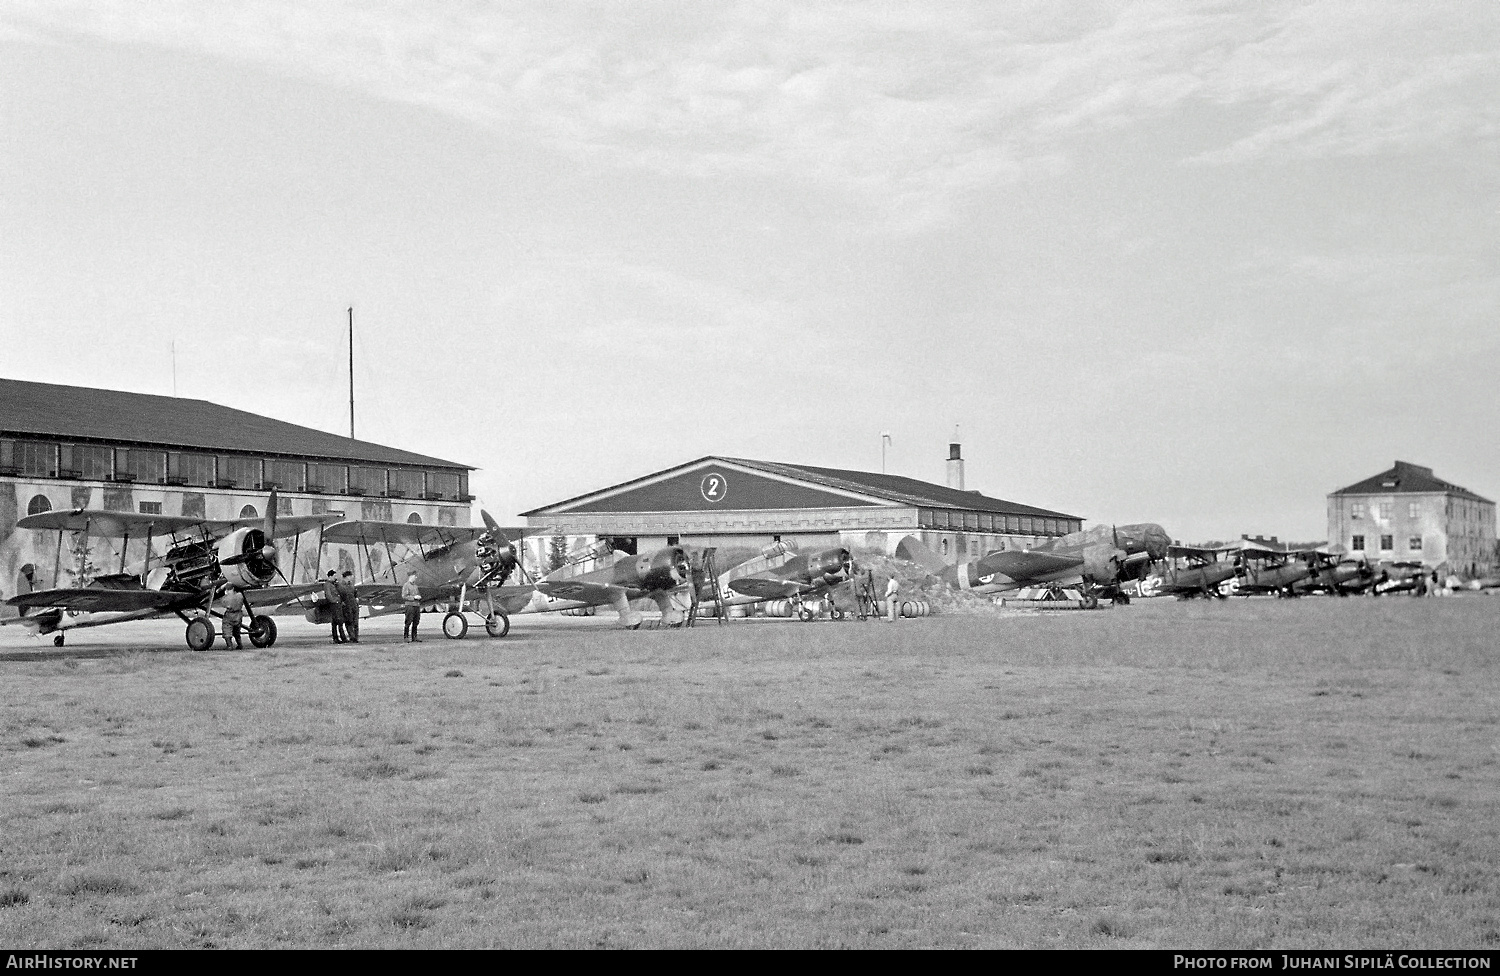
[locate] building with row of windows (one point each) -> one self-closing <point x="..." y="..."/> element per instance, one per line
<point x="65" y="447"/>
<point x="1408" y="513"/>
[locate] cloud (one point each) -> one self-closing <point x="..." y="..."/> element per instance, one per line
<point x="905" y="106"/>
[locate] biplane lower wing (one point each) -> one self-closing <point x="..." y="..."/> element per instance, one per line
<point x="94" y="600"/>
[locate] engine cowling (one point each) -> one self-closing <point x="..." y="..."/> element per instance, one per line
<point x="246" y="560"/>
<point x="663" y="570"/>
<point x="830" y="566"/>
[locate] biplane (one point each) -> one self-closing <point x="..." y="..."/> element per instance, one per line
<point x="198" y="558"/>
<point x="460" y="570"/>
<point x="1191" y="571"/>
<point x="1262" y="570"/>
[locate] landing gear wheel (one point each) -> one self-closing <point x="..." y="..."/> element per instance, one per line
<point x="1090" y="601"/>
<point x="804" y="614"/>
<point x="59" y="640"/>
<point x="200" y="634"/>
<point x="455" y="625"/>
<point x="497" y="626"/>
<point x="836" y="613"/>
<point x="262" y="631"/>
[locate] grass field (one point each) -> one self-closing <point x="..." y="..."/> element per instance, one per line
<point x="1313" y="773"/>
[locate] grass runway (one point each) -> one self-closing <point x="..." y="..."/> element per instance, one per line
<point x="1250" y="774"/>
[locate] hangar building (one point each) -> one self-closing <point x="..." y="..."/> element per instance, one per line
<point x="1408" y="513"/>
<point x="736" y="502"/>
<point x="65" y="447"/>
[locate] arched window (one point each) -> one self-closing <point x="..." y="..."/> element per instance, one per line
<point x="249" y="512"/>
<point x="38" y="505"/>
<point x="414" y="519"/>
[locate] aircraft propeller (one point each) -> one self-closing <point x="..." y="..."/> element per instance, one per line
<point x="264" y="557"/>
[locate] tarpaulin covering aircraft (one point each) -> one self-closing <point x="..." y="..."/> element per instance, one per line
<point x="201" y="558"/>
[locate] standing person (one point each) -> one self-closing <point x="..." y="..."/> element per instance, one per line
<point x="411" y="599"/>
<point x="335" y="607"/>
<point x="1436" y="587"/>
<point x="350" y="603"/>
<point x="892" y="591"/>
<point x="234" y="611"/>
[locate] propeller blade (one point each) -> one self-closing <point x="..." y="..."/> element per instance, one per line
<point x="269" y="526"/>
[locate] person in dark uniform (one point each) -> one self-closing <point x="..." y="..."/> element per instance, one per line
<point x="335" y="607"/>
<point x="411" y="600"/>
<point x="350" y="604"/>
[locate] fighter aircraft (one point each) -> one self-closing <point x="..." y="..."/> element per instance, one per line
<point x="1190" y="571"/>
<point x="781" y="573"/>
<point x="462" y="568"/>
<point x="601" y="576"/>
<point x="202" y="557"/>
<point x="1095" y="560"/>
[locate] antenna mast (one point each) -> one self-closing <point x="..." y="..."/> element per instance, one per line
<point x="351" y="372"/>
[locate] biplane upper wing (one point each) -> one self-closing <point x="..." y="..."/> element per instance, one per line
<point x="113" y="525"/>
<point x="94" y="599"/>
<point x="286" y="525"/>
<point x="367" y="532"/>
<point x="116" y="525"/>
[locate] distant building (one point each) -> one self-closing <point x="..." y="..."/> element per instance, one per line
<point x="735" y="502"/>
<point x="1408" y="513"/>
<point x="65" y="447"/>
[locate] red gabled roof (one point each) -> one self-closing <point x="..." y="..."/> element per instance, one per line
<point x="1406" y="478"/>
<point x="83" y="413"/>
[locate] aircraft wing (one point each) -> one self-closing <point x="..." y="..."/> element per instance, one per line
<point x="275" y="597"/>
<point x="1021" y="565"/>
<point x="113" y="525"/>
<point x="767" y="589"/>
<point x="379" y="595"/>
<point x="583" y="591"/>
<point x="370" y="532"/>
<point x="286" y="525"/>
<point x="1199" y="551"/>
<point x="94" y="599"/>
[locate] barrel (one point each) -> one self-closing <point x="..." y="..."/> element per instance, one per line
<point x="739" y="610"/>
<point x="779" y="608"/>
<point x="915" y="608"/>
<point x="578" y="612"/>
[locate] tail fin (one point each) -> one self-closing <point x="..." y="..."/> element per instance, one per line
<point x="913" y="550"/>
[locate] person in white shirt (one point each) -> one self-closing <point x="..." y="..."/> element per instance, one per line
<point x="892" y="591"/>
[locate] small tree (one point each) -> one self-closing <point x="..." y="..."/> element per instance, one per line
<point x="83" y="569"/>
<point x="557" y="552"/>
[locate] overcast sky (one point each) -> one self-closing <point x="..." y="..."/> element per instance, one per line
<point x="1194" y="263"/>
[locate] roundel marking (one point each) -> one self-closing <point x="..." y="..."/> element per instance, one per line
<point x="714" y="487"/>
